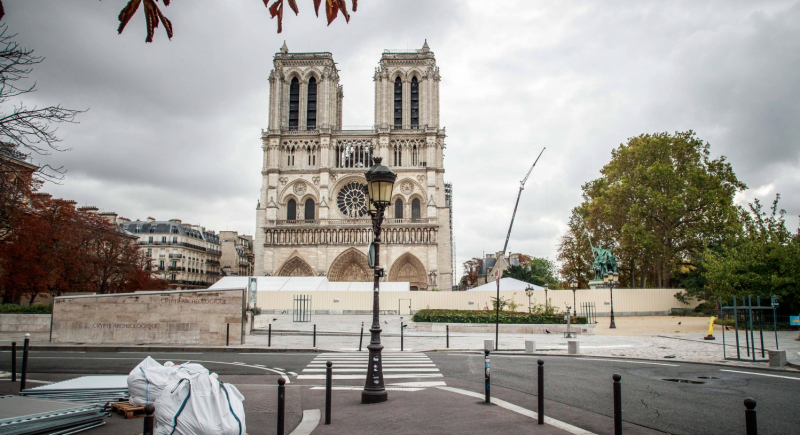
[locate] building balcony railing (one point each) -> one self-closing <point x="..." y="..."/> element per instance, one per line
<point x="244" y="263"/>
<point x="349" y="222"/>
<point x="209" y="261"/>
<point x="175" y="255"/>
<point x="212" y="273"/>
<point x="187" y="245"/>
<point x="176" y="269"/>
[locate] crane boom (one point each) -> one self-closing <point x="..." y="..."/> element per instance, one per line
<point x="521" y="188"/>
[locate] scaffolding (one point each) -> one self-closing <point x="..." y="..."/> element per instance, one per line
<point x="448" y="197"/>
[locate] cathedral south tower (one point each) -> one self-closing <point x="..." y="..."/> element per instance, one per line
<point x="311" y="218"/>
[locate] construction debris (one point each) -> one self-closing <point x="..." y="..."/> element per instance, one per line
<point x="86" y="389"/>
<point x="30" y="415"/>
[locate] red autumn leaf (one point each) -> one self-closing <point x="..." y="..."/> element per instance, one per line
<point x="126" y="14"/>
<point x="293" y="5"/>
<point x="2" y="11"/>
<point x="167" y="23"/>
<point x="331" y="10"/>
<point x="343" y="8"/>
<point x="276" y="10"/>
<point x="355" y="5"/>
<point x="151" y="18"/>
<point x="316" y="6"/>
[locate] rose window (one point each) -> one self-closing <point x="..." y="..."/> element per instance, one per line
<point x="352" y="200"/>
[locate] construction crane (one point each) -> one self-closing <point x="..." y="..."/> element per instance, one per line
<point x="521" y="188"/>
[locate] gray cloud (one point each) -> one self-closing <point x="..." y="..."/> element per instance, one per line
<point x="174" y="126"/>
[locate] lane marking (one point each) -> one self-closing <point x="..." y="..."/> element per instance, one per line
<point x="520" y="410"/>
<point x="283" y="375"/>
<point x="309" y="423"/>
<point x="283" y="370"/>
<point x="630" y="362"/>
<point x="361" y="388"/>
<point x="363" y="370"/>
<point x="341" y="377"/>
<point x="292" y="373"/>
<point x="760" y="374"/>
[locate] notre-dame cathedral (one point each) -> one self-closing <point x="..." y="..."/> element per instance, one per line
<point x="311" y="215"/>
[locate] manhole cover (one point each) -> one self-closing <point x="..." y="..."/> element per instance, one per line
<point x="707" y="377"/>
<point x="684" y="381"/>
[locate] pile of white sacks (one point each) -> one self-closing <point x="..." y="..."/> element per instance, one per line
<point x="188" y="399"/>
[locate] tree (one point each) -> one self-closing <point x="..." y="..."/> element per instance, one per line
<point x="153" y="15"/>
<point x="537" y="271"/>
<point x="471" y="269"/>
<point x="763" y="260"/>
<point x="661" y="199"/>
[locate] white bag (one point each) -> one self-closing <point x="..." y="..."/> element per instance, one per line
<point x="146" y="381"/>
<point x="194" y="403"/>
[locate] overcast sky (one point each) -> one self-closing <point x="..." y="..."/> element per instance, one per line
<point x="173" y="129"/>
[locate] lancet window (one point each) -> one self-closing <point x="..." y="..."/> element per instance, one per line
<point x="309" y="210"/>
<point x="398" y="209"/>
<point x="311" y="108"/>
<point x="291" y="210"/>
<point x="415" y="213"/>
<point x="398" y="103"/>
<point x="414" y="103"/>
<point x="294" y="103"/>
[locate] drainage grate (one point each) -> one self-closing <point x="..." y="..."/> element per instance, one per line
<point x="684" y="381"/>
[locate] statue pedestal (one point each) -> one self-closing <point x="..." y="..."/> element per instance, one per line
<point x="596" y="283"/>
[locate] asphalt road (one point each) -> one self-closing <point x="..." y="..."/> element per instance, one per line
<point x="577" y="390"/>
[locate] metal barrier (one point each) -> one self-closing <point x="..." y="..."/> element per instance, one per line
<point x="301" y="308"/>
<point x="589" y="311"/>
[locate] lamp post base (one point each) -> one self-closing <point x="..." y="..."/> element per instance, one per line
<point x="368" y="397"/>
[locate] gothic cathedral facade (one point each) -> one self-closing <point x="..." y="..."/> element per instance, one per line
<point x="311" y="214"/>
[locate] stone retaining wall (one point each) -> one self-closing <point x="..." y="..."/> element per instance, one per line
<point x="483" y="328"/>
<point x="24" y="323"/>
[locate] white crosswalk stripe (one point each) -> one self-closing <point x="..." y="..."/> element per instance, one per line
<point x="396" y="365"/>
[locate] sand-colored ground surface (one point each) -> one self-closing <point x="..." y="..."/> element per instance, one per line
<point x="655" y="325"/>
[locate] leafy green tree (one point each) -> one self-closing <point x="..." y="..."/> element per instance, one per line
<point x="537" y="271"/>
<point x="659" y="200"/>
<point x="763" y="260"/>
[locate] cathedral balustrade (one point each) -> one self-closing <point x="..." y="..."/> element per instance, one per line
<point x="350" y="236"/>
<point x="349" y="222"/>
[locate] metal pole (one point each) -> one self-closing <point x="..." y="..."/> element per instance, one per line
<point x="328" y="382"/>
<point x="315" y="335"/>
<point x="25" y="348"/>
<point x="14" y="361"/>
<point x="775" y="324"/>
<point x="487" y="377"/>
<point x="149" y="419"/>
<point x="752" y="336"/>
<point x="361" y="340"/>
<point x="447" y="330"/>
<point x="374" y="389"/>
<point x="617" y="404"/>
<point x="760" y="326"/>
<point x="540" y="391"/>
<point x="227" y="334"/>
<point x="497" y="318"/>
<point x="613" y="326"/>
<point x="269" y="336"/>
<point x="401" y="336"/>
<point x="736" y="328"/>
<point x="574" y="304"/>
<point x="281" y="404"/>
<point x="751" y="426"/>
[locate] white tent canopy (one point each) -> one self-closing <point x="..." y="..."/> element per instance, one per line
<point x="304" y="284"/>
<point x="506" y="284"/>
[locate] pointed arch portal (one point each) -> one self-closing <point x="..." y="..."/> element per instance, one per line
<point x="409" y="269"/>
<point x="350" y="266"/>
<point x="295" y="266"/>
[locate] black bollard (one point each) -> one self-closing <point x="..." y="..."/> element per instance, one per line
<point x="227" y="334"/>
<point x="149" y="419"/>
<point x="328" y="382"/>
<point x="14" y="361"/>
<point x="617" y="404"/>
<point x="751" y="426"/>
<point x="540" y="392"/>
<point x="361" y="341"/>
<point x="281" y="404"/>
<point x="401" y="336"/>
<point x="447" y="329"/>
<point x="487" y="377"/>
<point x="25" y="348"/>
<point x="315" y="335"/>
<point x="269" y="336"/>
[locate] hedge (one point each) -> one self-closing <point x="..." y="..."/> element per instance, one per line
<point x="26" y="309"/>
<point x="481" y="316"/>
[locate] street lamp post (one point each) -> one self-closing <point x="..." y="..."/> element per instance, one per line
<point x="574" y="284"/>
<point x="380" y="182"/>
<point x="529" y="293"/>
<point x="611" y="280"/>
<point x="546" y="301"/>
